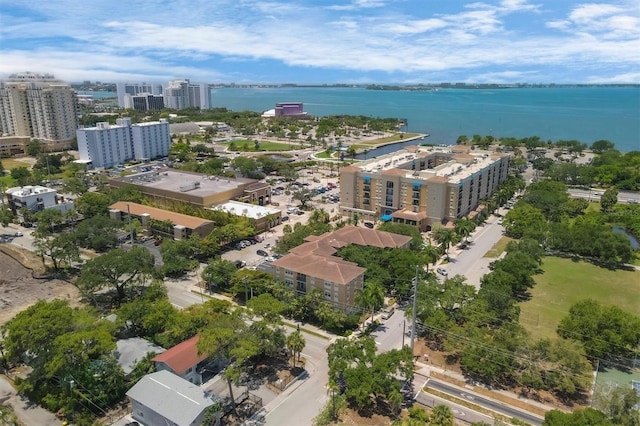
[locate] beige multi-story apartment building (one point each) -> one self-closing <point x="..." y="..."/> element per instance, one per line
<point x="40" y="107"/>
<point x="313" y="264"/>
<point x="421" y="186"/>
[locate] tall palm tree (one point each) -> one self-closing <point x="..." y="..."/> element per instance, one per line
<point x="441" y="415"/>
<point x="295" y="343"/>
<point x="464" y="227"/>
<point x="445" y="237"/>
<point x="430" y="254"/>
<point x="371" y="296"/>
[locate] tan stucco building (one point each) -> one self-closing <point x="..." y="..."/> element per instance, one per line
<point x="313" y="264"/>
<point x="169" y="186"/>
<point x="421" y="186"/>
<point x="183" y="225"/>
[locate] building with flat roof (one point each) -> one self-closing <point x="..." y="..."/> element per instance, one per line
<point x="168" y="186"/>
<point x="183" y="225"/>
<point x="421" y="186"/>
<point x="313" y="264"/>
<point x="107" y="145"/>
<point x="126" y="91"/>
<point x="181" y="94"/>
<point x="264" y="218"/>
<point x="35" y="199"/>
<point x="40" y="107"/>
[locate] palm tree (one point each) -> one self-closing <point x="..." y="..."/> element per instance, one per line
<point x="445" y="236"/>
<point x="441" y="415"/>
<point x="295" y="343"/>
<point x="464" y="227"/>
<point x="371" y="296"/>
<point x="430" y="254"/>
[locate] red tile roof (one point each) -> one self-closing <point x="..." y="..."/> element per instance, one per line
<point x="182" y="356"/>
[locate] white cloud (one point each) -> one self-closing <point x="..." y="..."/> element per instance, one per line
<point x="228" y="39"/>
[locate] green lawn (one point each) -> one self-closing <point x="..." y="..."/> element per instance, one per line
<point x="565" y="282"/>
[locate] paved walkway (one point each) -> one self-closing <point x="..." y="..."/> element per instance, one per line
<point x="427" y="369"/>
<point x="26" y="411"/>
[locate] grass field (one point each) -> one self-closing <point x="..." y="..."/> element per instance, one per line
<point x="565" y="282"/>
<point x="12" y="163"/>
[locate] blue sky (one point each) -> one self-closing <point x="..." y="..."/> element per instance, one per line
<point x="324" y="41"/>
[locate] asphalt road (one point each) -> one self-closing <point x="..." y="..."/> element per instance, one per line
<point x="484" y="402"/>
<point x="470" y="262"/>
<point x="300" y="405"/>
<point x="595" y="194"/>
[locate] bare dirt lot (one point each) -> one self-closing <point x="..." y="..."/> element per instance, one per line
<point x="21" y="285"/>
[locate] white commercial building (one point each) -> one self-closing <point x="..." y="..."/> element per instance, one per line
<point x="36" y="199"/>
<point x="40" y="107"/>
<point x="110" y="145"/>
<point x="181" y="94"/>
<point x="127" y="90"/>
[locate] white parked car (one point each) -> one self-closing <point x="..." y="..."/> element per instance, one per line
<point x="442" y="272"/>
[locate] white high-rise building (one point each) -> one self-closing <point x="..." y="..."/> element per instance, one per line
<point x="40" y="107"/>
<point x="127" y="90"/>
<point x="180" y="94"/>
<point x="108" y="145"/>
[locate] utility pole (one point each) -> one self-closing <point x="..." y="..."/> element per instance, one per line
<point x="246" y="292"/>
<point x="413" y="319"/>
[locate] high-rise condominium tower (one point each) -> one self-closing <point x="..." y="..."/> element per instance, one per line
<point x="40" y="107"/>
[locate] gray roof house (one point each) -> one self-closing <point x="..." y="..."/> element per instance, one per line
<point x="162" y="398"/>
<point x="129" y="352"/>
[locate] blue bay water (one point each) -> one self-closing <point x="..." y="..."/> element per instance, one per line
<point x="586" y="114"/>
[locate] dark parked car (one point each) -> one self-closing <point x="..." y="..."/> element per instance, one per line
<point x="284" y="218"/>
<point x="262" y="253"/>
<point x="369" y="225"/>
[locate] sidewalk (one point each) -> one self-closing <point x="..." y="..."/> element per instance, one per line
<point x="26" y="411"/>
<point x="426" y="370"/>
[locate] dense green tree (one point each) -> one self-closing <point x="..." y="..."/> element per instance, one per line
<point x="218" y="273"/>
<point x="580" y="417"/>
<point x="117" y="270"/>
<point x="21" y="175"/>
<point x="61" y="344"/>
<point x="608" y="200"/>
<point x="35" y="147"/>
<point x="601" y="146"/>
<point x="549" y="197"/>
<point x="98" y="233"/>
<point x="303" y="195"/>
<point x="91" y="204"/>
<point x="605" y="331"/>
<point x="355" y="368"/>
<point x="521" y="267"/>
<point x="62" y="249"/>
<point x="526" y="221"/>
<point x="404" y="229"/>
<point x="618" y="403"/>
<point x="178" y="257"/>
